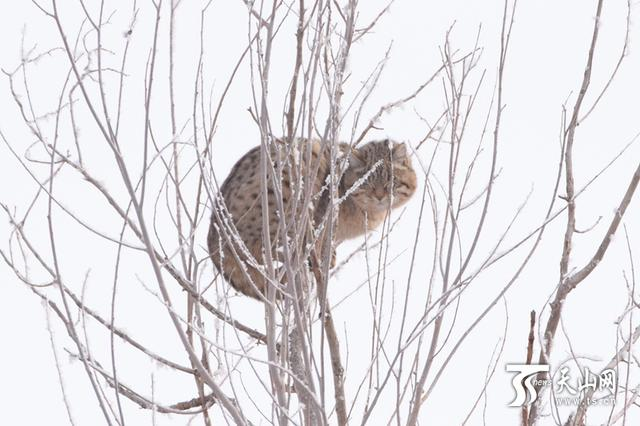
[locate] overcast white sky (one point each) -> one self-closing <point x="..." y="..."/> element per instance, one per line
<point x="546" y="58"/>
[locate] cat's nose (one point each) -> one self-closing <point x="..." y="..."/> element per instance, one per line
<point x="380" y="195"/>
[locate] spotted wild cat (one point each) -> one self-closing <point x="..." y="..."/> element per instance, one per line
<point x="379" y="178"/>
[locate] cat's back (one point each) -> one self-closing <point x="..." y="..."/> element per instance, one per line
<point x="244" y="177"/>
<point x="241" y="190"/>
<point x="242" y="185"/>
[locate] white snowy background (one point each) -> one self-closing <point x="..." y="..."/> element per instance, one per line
<point x="546" y="59"/>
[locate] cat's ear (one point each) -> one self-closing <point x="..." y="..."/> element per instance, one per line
<point x="399" y="152"/>
<point x="343" y="147"/>
<point x="356" y="160"/>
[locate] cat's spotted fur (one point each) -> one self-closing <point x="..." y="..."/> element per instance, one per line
<point x="379" y="178"/>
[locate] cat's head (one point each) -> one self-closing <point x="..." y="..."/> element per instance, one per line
<point x="390" y="183"/>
